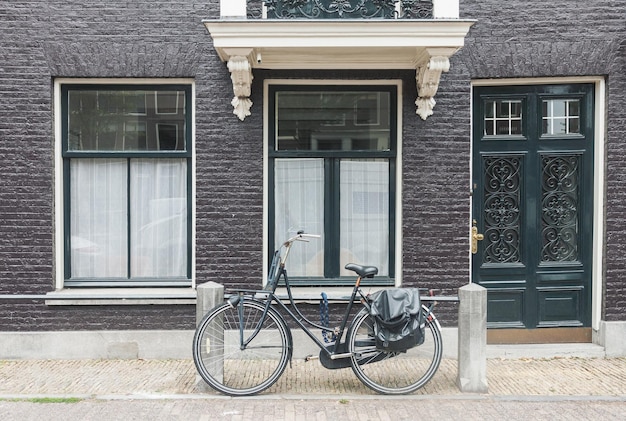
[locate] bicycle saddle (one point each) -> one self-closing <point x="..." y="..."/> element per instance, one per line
<point x="362" y="271"/>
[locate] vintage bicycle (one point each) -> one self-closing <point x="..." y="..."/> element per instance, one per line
<point x="243" y="346"/>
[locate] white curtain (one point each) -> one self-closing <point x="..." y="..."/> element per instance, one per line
<point x="98" y="223"/>
<point x="299" y="205"/>
<point x="99" y="218"/>
<point x="364" y="209"/>
<point x="158" y="210"/>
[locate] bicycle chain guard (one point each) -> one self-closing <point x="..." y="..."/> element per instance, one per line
<point x="330" y="364"/>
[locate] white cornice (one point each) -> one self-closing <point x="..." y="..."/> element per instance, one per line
<point x="340" y="44"/>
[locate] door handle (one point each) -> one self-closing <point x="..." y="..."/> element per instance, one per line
<point x="476" y="237"/>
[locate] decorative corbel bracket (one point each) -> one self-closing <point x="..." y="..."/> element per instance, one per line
<point x="428" y="76"/>
<point x="240" y="69"/>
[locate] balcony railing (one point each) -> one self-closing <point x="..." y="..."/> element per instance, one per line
<point x="349" y="9"/>
<point x="340" y="9"/>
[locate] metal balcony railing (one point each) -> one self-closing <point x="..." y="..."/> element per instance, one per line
<point x="346" y="9"/>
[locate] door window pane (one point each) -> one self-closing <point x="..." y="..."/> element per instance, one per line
<point x="559" y="208"/>
<point x="503" y="118"/>
<point x="502" y="208"/>
<point x="561" y="116"/>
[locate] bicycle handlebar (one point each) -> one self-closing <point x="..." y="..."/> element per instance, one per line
<point x="301" y="236"/>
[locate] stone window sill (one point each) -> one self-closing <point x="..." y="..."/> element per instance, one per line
<point x="121" y="296"/>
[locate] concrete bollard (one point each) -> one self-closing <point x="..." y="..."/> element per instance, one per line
<point x="209" y="295"/>
<point x="472" y="359"/>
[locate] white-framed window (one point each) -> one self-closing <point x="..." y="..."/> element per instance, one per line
<point x="332" y="165"/>
<point x="124" y="190"/>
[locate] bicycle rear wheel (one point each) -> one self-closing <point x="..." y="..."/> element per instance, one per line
<point x="235" y="369"/>
<point x="393" y="373"/>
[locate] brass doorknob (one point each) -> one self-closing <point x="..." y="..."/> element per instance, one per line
<point x="476" y="237"/>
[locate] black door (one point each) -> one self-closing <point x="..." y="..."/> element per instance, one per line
<point x="533" y="202"/>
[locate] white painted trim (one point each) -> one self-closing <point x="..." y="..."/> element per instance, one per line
<point x="194" y="155"/>
<point x="599" y="191"/>
<point x="599" y="183"/>
<point x="59" y="249"/>
<point x="446" y="9"/>
<point x="233" y="9"/>
<point x="535" y="81"/>
<point x="471" y="185"/>
<point x="121" y="296"/>
<point x="333" y="43"/>
<point x="59" y="210"/>
<point x="398" y="233"/>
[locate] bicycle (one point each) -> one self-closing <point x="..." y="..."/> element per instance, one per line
<point x="242" y="346"/>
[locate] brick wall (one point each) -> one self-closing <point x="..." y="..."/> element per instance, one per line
<point x="41" y="40"/>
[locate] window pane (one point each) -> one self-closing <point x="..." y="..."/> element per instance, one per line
<point x="502" y="127"/>
<point x="561" y="116"/>
<point x="346" y="121"/>
<point x="126" y="120"/>
<point x="364" y="210"/>
<point x="98" y="220"/>
<point x="158" y="218"/>
<point x="299" y="205"/>
<point x="503" y="118"/>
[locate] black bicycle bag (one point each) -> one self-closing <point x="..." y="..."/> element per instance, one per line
<point x="397" y="315"/>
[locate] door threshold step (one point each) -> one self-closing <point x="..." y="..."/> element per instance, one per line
<point x="560" y="350"/>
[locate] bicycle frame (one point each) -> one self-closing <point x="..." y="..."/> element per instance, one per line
<point x="278" y="271"/>
<point x="302" y="321"/>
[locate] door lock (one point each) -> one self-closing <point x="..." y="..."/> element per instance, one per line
<point x="476" y="237"/>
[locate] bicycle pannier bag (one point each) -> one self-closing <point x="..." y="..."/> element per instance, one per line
<point x="397" y="319"/>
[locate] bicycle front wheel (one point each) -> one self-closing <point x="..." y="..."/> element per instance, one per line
<point x="238" y="352"/>
<point x="393" y="373"/>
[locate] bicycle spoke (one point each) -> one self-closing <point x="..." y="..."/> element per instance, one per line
<point x="393" y="372"/>
<point x="223" y="363"/>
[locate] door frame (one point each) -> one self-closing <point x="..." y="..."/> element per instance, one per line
<point x="599" y="181"/>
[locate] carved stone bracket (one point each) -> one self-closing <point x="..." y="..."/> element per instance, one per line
<point x="241" y="75"/>
<point x="428" y="76"/>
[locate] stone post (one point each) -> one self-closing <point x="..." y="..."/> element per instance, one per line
<point x="209" y="295"/>
<point x="472" y="375"/>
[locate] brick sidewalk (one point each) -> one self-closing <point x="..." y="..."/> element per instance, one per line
<point x="506" y="377"/>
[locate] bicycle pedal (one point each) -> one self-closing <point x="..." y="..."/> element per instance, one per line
<point x="311" y="358"/>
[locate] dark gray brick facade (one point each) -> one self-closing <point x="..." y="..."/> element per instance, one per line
<point x="42" y="40"/>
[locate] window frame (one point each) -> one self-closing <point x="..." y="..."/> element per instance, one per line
<point x="62" y="186"/>
<point x="332" y="159"/>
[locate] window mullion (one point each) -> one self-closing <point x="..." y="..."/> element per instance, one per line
<point x="128" y="219"/>
<point x="331" y="218"/>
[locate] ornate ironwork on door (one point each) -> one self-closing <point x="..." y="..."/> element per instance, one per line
<point x="502" y="209"/>
<point x="349" y="9"/>
<point x="559" y="213"/>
